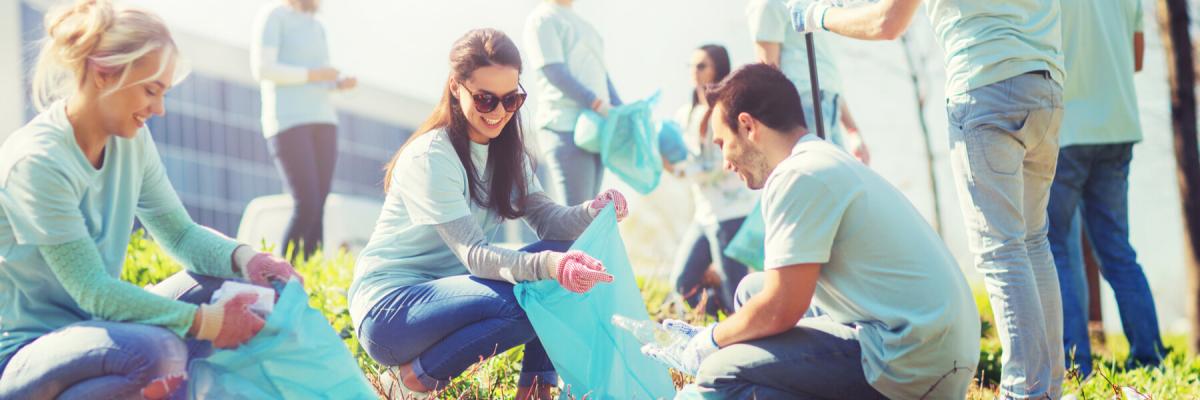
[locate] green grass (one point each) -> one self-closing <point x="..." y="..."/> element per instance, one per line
<point x="326" y="282"/>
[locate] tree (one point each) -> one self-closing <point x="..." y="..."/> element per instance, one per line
<point x="1177" y="45"/>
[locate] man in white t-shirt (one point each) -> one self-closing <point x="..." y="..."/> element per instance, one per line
<point x="898" y="317"/>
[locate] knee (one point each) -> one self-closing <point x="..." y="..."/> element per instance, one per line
<point x="158" y="356"/>
<point x="722" y="370"/>
<point x="747" y="288"/>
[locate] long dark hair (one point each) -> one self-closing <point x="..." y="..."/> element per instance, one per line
<point x="506" y="153"/>
<point x="720" y="60"/>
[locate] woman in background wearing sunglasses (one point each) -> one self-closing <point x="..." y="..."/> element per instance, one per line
<point x="430" y="295"/>
<point x="721" y="199"/>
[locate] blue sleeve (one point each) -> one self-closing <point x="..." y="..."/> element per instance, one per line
<point x="612" y="93"/>
<point x="268" y="30"/>
<point x="558" y="76"/>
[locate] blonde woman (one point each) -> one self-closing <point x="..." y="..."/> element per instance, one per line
<point x="71" y="183"/>
<point x="290" y="59"/>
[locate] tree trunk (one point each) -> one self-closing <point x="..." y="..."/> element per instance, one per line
<point x="1177" y="45"/>
<point x="914" y="74"/>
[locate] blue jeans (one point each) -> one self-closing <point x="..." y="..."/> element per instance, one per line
<point x="108" y="360"/>
<point x="446" y="325"/>
<point x="1097" y="177"/>
<point x="1004" y="146"/>
<point x="818" y="359"/>
<point x="705" y="244"/>
<point x="306" y="156"/>
<point x="830" y="112"/>
<point x="574" y="174"/>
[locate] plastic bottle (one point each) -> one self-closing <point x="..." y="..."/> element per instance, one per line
<point x="649" y="332"/>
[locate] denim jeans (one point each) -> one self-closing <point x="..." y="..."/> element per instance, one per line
<point x="704" y="244"/>
<point x="108" y="360"/>
<point x="446" y="325"/>
<point x="818" y="359"/>
<point x="574" y="174"/>
<point x="1004" y="146"/>
<point x="1096" y="177"/>
<point x="306" y="156"/>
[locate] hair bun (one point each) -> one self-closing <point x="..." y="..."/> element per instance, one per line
<point x="77" y="30"/>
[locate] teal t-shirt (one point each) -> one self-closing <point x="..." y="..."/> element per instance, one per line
<point x="428" y="187"/>
<point x="558" y="35"/>
<point x="987" y="41"/>
<point x="883" y="270"/>
<point x="50" y="194"/>
<point x="1100" y="98"/>
<point x="300" y="39"/>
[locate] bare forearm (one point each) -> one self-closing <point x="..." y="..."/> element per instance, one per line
<point x="885" y="20"/>
<point x="757" y="319"/>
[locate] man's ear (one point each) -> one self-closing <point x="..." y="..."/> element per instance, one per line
<point x="748" y="126"/>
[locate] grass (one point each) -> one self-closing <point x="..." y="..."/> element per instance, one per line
<point x="326" y="281"/>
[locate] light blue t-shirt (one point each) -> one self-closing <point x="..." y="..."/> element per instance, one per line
<point x="50" y="194"/>
<point x="883" y="270"/>
<point x="1100" y="98"/>
<point x="987" y="41"/>
<point x="555" y="34"/>
<point x="770" y="21"/>
<point x="300" y="39"/>
<point x="428" y="187"/>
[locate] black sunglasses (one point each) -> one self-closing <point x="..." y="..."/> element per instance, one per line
<point x="486" y="102"/>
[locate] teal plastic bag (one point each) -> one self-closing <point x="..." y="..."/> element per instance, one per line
<point x="297" y="355"/>
<point x="748" y="245"/>
<point x="629" y="145"/>
<point x="670" y="142"/>
<point x="587" y="131"/>
<point x="593" y="357"/>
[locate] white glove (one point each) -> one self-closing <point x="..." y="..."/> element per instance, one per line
<point x="685" y="357"/>
<point x="809" y="15"/>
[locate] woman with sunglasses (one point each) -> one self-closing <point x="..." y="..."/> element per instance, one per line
<point x="567" y="55"/>
<point x="290" y="59"/>
<point x="721" y="199"/>
<point x="430" y="295"/>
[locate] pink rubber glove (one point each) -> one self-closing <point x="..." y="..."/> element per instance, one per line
<point x="578" y="272"/>
<point x="228" y="323"/>
<point x="262" y="268"/>
<point x="609" y="196"/>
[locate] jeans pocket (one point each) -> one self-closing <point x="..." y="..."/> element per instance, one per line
<point x="998" y="141"/>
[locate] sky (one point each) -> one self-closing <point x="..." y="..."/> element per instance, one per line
<point x="402" y="45"/>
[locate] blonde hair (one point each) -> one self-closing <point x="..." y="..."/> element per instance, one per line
<point x="93" y="35"/>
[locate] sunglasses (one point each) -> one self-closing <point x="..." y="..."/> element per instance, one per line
<point x="486" y="102"/>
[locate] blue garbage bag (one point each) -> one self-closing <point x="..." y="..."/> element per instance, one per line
<point x="629" y="145"/>
<point x="748" y="245"/>
<point x="592" y="356"/>
<point x="670" y="142"/>
<point x="297" y="355"/>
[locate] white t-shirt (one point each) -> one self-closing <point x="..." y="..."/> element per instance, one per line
<point x="557" y="35"/>
<point x="883" y="270"/>
<point x="428" y="187"/>
<point x="718" y="195"/>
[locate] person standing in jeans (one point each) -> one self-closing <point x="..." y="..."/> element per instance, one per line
<point x="1004" y="68"/>
<point x="567" y="56"/>
<point x="1099" y="129"/>
<point x="290" y="59"/>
